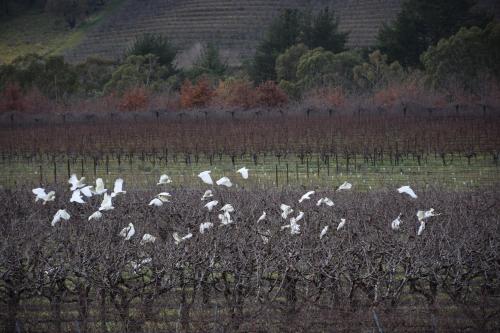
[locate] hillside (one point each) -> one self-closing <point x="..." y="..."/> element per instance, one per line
<point x="235" y="25"/>
<point x="36" y="31"/>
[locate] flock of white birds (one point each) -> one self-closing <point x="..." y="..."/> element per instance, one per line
<point x="80" y="190"/>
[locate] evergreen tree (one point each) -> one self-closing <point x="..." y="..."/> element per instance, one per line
<point x="422" y="23"/>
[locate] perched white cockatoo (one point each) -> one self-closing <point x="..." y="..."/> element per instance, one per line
<point x="227" y="208"/>
<point x="164" y="179"/>
<point x="179" y="239"/>
<point x="325" y="201"/>
<point x="323" y="232"/>
<point x="262" y="217"/>
<point x="128" y="231"/>
<point x="341" y="224"/>
<point x="396" y="223"/>
<point x="205" y="226"/>
<point x="147" y="238"/>
<point x="286" y="210"/>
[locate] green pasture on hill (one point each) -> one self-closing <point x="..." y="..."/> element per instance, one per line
<point x="43" y="33"/>
<point x="312" y="172"/>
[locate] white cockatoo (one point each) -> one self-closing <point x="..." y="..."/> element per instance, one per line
<point x="421" y="228"/>
<point x="207" y="194"/>
<point x="425" y="214"/>
<point x="298" y="217"/>
<point x="341" y="224"/>
<point x="205" y="177"/>
<point x="164" y="196"/>
<point x="77" y="197"/>
<point x="396" y="223"/>
<point x="147" y="238"/>
<point x="323" y="232"/>
<point x="286" y="210"/>
<point x="225" y="218"/>
<point x="87" y="191"/>
<point x="128" y="231"/>
<point x="179" y="239"/>
<point x="227" y="208"/>
<point x="345" y="186"/>
<point x="407" y="190"/>
<point x="75" y="182"/>
<point x="262" y="217"/>
<point x="211" y="205"/>
<point x="224" y="181"/>
<point x="164" y="179"/>
<point x="294" y="227"/>
<point x="61" y="214"/>
<point x="41" y="195"/>
<point x="95" y="216"/>
<point x="99" y="187"/>
<point x="244" y="172"/>
<point x="325" y="201"/>
<point x="156" y="202"/>
<point x="306" y="196"/>
<point x="205" y="226"/>
<point x="106" y="203"/>
<point x="118" y="188"/>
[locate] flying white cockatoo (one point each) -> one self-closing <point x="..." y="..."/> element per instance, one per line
<point x="211" y="205"/>
<point x="207" y="194"/>
<point x="407" y="190"/>
<point x="76" y="196"/>
<point x="61" y="214"/>
<point x="118" y="188"/>
<point x="224" y="181"/>
<point x="41" y="195"/>
<point x="106" y="203"/>
<point x="75" y="182"/>
<point x="345" y="186"/>
<point x="205" y="177"/>
<point x="306" y="196"/>
<point x="244" y="172"/>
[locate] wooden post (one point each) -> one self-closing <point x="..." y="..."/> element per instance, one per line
<point x="276" y="167"/>
<point x="287" y="174"/>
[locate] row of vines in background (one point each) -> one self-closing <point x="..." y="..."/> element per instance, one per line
<point x="376" y="136"/>
<point x="82" y="276"/>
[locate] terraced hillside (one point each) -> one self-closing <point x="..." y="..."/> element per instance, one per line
<point x="235" y="25"/>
